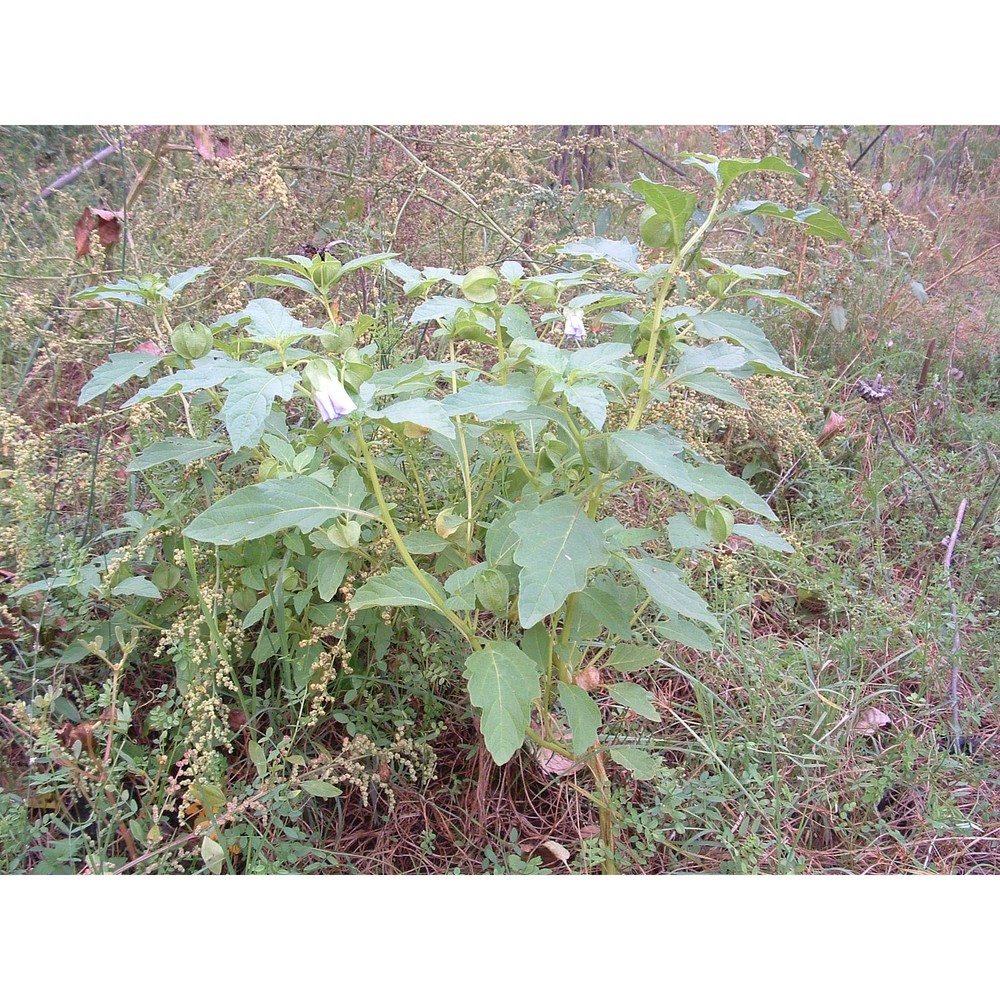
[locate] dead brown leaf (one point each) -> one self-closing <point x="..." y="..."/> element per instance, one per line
<point x="202" y="137"/>
<point x="84" y="227"/>
<point x="835" y="423"/>
<point x="210" y="147"/>
<point x="107" y="223"/>
<point x="872" y="721"/>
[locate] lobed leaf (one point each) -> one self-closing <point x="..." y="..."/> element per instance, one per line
<point x="503" y="682"/>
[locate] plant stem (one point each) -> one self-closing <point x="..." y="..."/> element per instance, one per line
<point x="390" y="525"/>
<point x="666" y="286"/>
<point x="910" y="465"/>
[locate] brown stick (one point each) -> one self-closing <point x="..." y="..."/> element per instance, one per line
<point x="956" y="644"/>
<point x="928" y="355"/>
<point x="71" y="175"/>
<point x="656" y="156"/>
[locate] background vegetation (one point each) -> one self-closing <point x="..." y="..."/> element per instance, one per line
<point x="845" y="720"/>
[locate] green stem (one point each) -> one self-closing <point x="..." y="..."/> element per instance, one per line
<point x="390" y="524"/>
<point x="666" y="286"/>
<point x="512" y="441"/>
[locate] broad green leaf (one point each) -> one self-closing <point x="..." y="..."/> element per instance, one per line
<point x="816" y="220"/>
<point x="686" y="633"/>
<point x="716" y="357"/>
<point x="664" y="585"/>
<point x="683" y="533"/>
<point x="590" y="400"/>
<point x="558" y="546"/>
<point x="620" y="253"/>
<point x="136" y="586"/>
<point x="536" y="644"/>
<point x="503" y="682"/>
<point x="181" y="450"/>
<point x="257" y="757"/>
<point x="709" y="384"/>
<point x="123" y="290"/>
<point x="461" y="587"/>
<point x="659" y="456"/>
<point x="206" y="372"/>
<point x="719" y="324"/>
<point x="398" y="588"/>
<point x="270" y="321"/>
<point x="410" y="276"/>
<point x="670" y="203"/>
<point x="284" y="281"/>
<point x="368" y="262"/>
<point x="604" y="300"/>
<point x="421" y="374"/>
<point x="265" y="508"/>
<point x="488" y="402"/>
<point x="626" y="658"/>
<point x="745" y="272"/>
<point x="729" y="169"/>
<point x="437" y="307"/>
<point x="644" y="766"/>
<point x="178" y="281"/>
<point x="424" y="543"/>
<point x="511" y="270"/>
<point x="296" y="263"/>
<point x="582" y="714"/>
<point x="601" y="359"/>
<point x="606" y="604"/>
<point x="713" y="482"/>
<point x="117" y="370"/>
<point x="330" y="568"/>
<point x="636" y="698"/>
<point x="428" y="413"/>
<point x="501" y="540"/>
<point x="320" y="789"/>
<point x="776" y="295"/>
<point x="516" y="321"/>
<point x="761" y="536"/>
<point x="250" y="394"/>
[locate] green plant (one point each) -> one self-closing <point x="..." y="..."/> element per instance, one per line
<point x="475" y="494"/>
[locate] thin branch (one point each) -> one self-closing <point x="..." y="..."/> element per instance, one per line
<point x="910" y="465"/>
<point x="656" y="156"/>
<point x="864" y="152"/>
<point x="452" y="184"/>
<point x="78" y="171"/>
<point x="957" y="642"/>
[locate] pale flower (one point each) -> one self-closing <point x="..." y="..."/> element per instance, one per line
<point x="573" y="328"/>
<point x="331" y="397"/>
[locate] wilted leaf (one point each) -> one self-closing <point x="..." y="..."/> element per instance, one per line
<point x="556" y="849"/>
<point x="213" y="855"/>
<point x="872" y="721"/>
<point x="201" y="135"/>
<point x="555" y="763"/>
<point x="834" y="424"/>
<point x="838" y="317"/>
<point x="84" y="227"/>
<point x="107" y="224"/>
<point x="109" y="227"/>
<point x="210" y="147"/>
